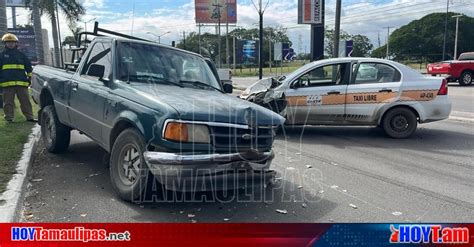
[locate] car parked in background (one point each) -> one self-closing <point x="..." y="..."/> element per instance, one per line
<point x="355" y="91"/>
<point x="461" y="70"/>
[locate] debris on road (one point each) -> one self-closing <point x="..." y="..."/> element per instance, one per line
<point x="300" y="187"/>
<point x="334" y="164"/>
<point x="334" y="187"/>
<point x="191" y="215"/>
<point x="309" y="166"/>
<point x="83" y="215"/>
<point x="304" y="205"/>
<point x="397" y="213"/>
<point x="226" y="219"/>
<point x="94" y="175"/>
<point x="37" y="180"/>
<point x="345" y="191"/>
<point x="353" y="206"/>
<point x="290" y="168"/>
<point x="282" y="211"/>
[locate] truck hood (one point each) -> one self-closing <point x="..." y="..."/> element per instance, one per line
<point x="208" y="105"/>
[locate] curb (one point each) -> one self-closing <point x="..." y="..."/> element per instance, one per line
<point x="13" y="196"/>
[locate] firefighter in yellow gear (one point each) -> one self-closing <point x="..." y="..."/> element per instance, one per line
<point x="15" y="78"/>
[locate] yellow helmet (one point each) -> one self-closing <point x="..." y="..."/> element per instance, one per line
<point x="9" y="37"/>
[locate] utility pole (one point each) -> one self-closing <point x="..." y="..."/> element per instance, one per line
<point x="445" y="29"/>
<point x="388" y="42"/>
<point x="219" y="16"/>
<point x="456" y="39"/>
<point x="261" y="10"/>
<point x="227" y="52"/>
<point x="3" y="17"/>
<point x="199" y="38"/>
<point x="270" y="50"/>
<point x="378" y="33"/>
<point x="235" y="59"/>
<point x="337" y="29"/>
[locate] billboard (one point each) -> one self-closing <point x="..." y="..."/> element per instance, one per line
<point x="15" y="3"/>
<point x="310" y="11"/>
<point x="247" y="52"/>
<point x="26" y="42"/>
<point x="210" y="11"/>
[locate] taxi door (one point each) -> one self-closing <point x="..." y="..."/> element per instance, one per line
<point x="318" y="96"/>
<point x="374" y="85"/>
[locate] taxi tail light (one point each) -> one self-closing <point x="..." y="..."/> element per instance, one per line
<point x="443" y="90"/>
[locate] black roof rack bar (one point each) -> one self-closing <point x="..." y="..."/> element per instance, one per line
<point x="79" y="36"/>
<point x="97" y="30"/>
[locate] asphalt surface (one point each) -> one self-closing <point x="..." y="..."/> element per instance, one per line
<point x="326" y="174"/>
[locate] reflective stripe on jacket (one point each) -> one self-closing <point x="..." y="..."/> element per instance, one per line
<point x="15" y="68"/>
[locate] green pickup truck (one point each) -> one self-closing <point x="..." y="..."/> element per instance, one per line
<point x="158" y="111"/>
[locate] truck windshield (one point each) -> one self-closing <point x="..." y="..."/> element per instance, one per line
<point x="145" y="63"/>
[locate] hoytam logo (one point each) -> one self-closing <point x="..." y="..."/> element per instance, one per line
<point x="435" y="234"/>
<point x="76" y="234"/>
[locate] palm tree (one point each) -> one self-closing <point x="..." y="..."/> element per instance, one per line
<point x="3" y="17"/>
<point x="72" y="9"/>
<point x="35" y="12"/>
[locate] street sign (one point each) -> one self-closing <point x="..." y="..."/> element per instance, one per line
<point x="15" y="3"/>
<point x="278" y="51"/>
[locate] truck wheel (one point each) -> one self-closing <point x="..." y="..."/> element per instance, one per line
<point x="466" y="78"/>
<point x="128" y="171"/>
<point x="399" y="123"/>
<point x="56" y="136"/>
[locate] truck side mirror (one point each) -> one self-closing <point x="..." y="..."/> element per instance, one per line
<point x="228" y="88"/>
<point x="96" y="70"/>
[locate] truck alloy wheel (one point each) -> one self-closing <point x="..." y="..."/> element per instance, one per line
<point x="129" y="173"/>
<point x="55" y="135"/>
<point x="399" y="123"/>
<point x="466" y="78"/>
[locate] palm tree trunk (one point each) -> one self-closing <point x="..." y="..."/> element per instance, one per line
<point x="57" y="58"/>
<point x="3" y="17"/>
<point x="38" y="31"/>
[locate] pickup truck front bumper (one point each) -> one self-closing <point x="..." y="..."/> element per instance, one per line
<point x="208" y="172"/>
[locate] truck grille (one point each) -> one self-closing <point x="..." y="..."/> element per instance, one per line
<point x="229" y="139"/>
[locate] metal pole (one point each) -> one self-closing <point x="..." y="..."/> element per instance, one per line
<point x="260" y="42"/>
<point x="270" y="51"/>
<point x="59" y="34"/>
<point x="235" y="59"/>
<point x="456" y="37"/>
<point x="199" y="38"/>
<point x="388" y="41"/>
<point x="227" y="52"/>
<point x="14" y="17"/>
<point x="445" y="29"/>
<point x="337" y="29"/>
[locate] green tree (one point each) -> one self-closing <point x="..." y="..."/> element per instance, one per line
<point x="362" y="46"/>
<point x="72" y="10"/>
<point x="423" y="38"/>
<point x="329" y="40"/>
<point x="209" y="42"/>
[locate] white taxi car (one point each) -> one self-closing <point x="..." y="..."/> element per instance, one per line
<point x="355" y="91"/>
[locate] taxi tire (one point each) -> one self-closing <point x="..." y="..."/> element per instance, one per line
<point x="403" y="114"/>
<point x="136" y="191"/>
<point x="56" y="136"/>
<point x="464" y="79"/>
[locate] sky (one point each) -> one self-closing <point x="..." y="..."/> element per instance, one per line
<point x="173" y="17"/>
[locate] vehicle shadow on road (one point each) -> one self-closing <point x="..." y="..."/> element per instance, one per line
<point x="424" y="139"/>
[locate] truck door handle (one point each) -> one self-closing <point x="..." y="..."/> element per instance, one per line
<point x="385" y="90"/>
<point x="334" y="93"/>
<point x="75" y="86"/>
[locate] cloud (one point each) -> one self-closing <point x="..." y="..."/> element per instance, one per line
<point x="94" y="4"/>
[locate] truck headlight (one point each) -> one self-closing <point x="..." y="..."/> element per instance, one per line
<point x="181" y="132"/>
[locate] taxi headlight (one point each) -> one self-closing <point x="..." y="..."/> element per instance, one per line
<point x="181" y="132"/>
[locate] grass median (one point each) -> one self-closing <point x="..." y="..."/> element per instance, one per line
<point x="13" y="136"/>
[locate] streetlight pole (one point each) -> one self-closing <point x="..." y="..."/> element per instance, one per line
<point x="445" y="29"/>
<point x="337" y="29"/>
<point x="456" y="39"/>
<point x="261" y="10"/>
<point x="158" y="37"/>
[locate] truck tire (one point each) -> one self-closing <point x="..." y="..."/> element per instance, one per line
<point x="466" y="78"/>
<point x="56" y="136"/>
<point x="399" y="123"/>
<point x="128" y="171"/>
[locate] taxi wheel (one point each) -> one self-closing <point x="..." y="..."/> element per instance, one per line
<point x="399" y="123"/>
<point x="466" y="78"/>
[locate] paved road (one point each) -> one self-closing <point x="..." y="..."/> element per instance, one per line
<point x="356" y="175"/>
